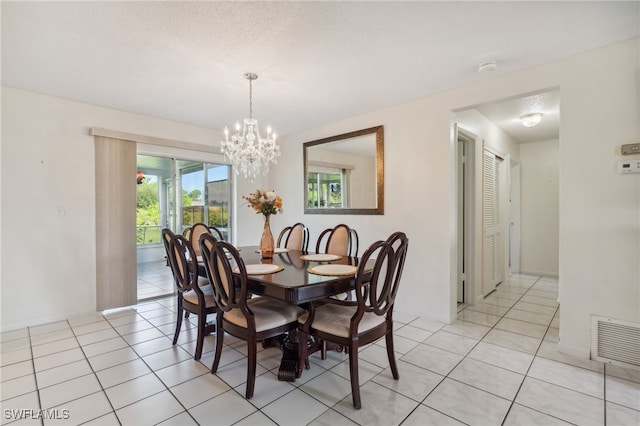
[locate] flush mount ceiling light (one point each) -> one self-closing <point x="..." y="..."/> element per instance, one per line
<point x="487" y="66"/>
<point x="530" y="120"/>
<point x="248" y="152"/>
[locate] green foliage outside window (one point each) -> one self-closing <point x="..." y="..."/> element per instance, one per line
<point x="148" y="221"/>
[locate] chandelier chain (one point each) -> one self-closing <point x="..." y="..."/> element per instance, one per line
<point x="250" y="98"/>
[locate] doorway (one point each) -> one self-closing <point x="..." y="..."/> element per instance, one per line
<point x="515" y="160"/>
<point x="174" y="193"/>
<point x="465" y="214"/>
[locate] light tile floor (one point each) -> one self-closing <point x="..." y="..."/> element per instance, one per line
<point x="154" y="280"/>
<point x="497" y="365"/>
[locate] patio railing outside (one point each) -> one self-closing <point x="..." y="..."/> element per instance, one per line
<point x="148" y="234"/>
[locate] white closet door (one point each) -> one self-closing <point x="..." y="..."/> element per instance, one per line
<point x="492" y="221"/>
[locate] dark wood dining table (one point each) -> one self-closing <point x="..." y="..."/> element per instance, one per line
<point x="296" y="285"/>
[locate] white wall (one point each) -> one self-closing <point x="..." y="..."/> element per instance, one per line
<point x="48" y="201"/>
<point x="48" y="263"/>
<point x="599" y="229"/>
<point x="539" y="208"/>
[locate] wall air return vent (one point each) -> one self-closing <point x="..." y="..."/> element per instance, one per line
<point x="614" y="341"/>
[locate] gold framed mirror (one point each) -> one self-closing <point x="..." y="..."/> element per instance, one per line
<point x="344" y="174"/>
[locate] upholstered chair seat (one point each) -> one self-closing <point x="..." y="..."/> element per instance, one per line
<point x="335" y="319"/>
<point x="267" y="313"/>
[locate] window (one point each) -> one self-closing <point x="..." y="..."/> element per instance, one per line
<point x="204" y="196"/>
<point x="327" y="188"/>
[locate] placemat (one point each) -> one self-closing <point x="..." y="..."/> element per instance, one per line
<point x="320" y="257"/>
<point x="260" y="269"/>
<point x="333" y="270"/>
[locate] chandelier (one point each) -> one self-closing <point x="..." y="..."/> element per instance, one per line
<point x="247" y="151"/>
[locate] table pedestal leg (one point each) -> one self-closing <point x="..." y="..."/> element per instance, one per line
<point x="289" y="368"/>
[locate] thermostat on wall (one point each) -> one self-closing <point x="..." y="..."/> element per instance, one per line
<point x="628" y="166"/>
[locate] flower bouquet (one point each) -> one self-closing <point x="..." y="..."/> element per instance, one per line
<point x="265" y="203"/>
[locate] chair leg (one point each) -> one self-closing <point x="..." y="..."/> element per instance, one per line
<point x="202" y="323"/>
<point x="178" y="322"/>
<point x="355" y="381"/>
<point x="392" y="356"/>
<point x="251" y="366"/>
<point x="219" y="341"/>
<point x="323" y="349"/>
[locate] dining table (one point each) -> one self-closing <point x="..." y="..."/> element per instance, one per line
<point x="298" y="277"/>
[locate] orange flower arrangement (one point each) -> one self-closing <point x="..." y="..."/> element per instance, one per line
<point x="264" y="202"/>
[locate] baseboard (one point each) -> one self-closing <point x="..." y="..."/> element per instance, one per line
<point x="34" y="322"/>
<point x="543" y="273"/>
<point x="574" y="351"/>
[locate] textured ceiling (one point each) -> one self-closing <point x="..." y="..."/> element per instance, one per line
<point x="317" y="62"/>
<point x="506" y="115"/>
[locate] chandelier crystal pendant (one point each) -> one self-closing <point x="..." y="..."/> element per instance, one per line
<point x="247" y="151"/>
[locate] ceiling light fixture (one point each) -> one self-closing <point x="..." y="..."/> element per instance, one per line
<point x="487" y="66"/>
<point x="248" y="152"/>
<point x="530" y="120"/>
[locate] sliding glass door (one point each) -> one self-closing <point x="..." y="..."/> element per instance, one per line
<point x="203" y="195"/>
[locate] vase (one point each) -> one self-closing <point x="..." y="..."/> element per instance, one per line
<point x="266" y="242"/>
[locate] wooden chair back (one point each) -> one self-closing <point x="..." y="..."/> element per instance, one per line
<point x="182" y="259"/>
<point x="216" y="233"/>
<point x="376" y="292"/>
<point x="220" y="257"/>
<point x="294" y="237"/>
<point x="340" y="240"/>
<point x="167" y="234"/>
<point x="194" y="235"/>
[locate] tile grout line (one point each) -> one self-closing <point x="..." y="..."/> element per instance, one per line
<point x="231" y="388"/>
<point x="94" y="374"/>
<point x="35" y="376"/>
<point x="526" y="374"/>
<point x="153" y="371"/>
<point x="506" y="414"/>
<point x="461" y="360"/>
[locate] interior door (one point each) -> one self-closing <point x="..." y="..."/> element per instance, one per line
<point x="492" y="217"/>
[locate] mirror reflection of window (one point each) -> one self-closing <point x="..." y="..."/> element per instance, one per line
<point x="324" y="189"/>
<point x="344" y="174"/>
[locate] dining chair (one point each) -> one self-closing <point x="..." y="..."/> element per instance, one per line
<point x="186" y="232"/>
<point x="250" y="319"/>
<point x="295" y="237"/>
<point x="198" y="229"/>
<point x="195" y="294"/>
<point x="167" y="234"/>
<point x="369" y="318"/>
<point x="216" y="232"/>
<point x="341" y="240"/>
